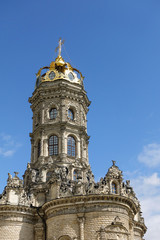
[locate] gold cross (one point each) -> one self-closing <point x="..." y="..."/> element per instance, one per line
<point x="59" y="48"/>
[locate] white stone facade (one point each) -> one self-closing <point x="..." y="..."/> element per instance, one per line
<point x="58" y="198"/>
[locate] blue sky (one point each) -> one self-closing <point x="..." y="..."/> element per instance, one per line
<point x="115" y="44"/>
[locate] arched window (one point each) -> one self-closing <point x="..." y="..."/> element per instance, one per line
<point x="39" y="148"/>
<point x="70" y="114"/>
<point x="53" y="145"/>
<point x="71" y="146"/>
<point x="53" y="113"/>
<point x="114" y="188"/>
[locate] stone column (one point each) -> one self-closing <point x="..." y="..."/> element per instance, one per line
<point x="32" y="151"/>
<point x="35" y="153"/>
<point x="43" y="114"/>
<point x="63" y="110"/>
<point x="81" y="147"/>
<point x="42" y="144"/>
<point x="63" y="144"/>
<point x="45" y="147"/>
<point x="87" y="150"/>
<point x="78" y="153"/>
<point x="81" y="220"/>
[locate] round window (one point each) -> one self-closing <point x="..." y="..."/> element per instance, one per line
<point x="52" y="75"/>
<point x="38" y="81"/>
<point x="71" y="76"/>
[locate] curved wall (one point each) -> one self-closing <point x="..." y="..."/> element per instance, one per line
<point x="84" y="218"/>
<point x="11" y="230"/>
<point x="16" y="223"/>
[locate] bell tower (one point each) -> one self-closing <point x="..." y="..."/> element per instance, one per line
<point x="59" y="139"/>
<point x="58" y="198"/>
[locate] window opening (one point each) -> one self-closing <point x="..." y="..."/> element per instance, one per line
<point x="38" y="81"/>
<point x="39" y="148"/>
<point x="53" y="113"/>
<point x="53" y="145"/>
<point x="70" y="114"/>
<point x="114" y="188"/>
<point x="71" y="146"/>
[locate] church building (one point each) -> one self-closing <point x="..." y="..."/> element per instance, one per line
<point x="58" y="198"/>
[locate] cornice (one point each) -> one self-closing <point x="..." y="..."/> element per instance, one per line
<point x="16" y="208"/>
<point x="17" y="213"/>
<point x="61" y="125"/>
<point x="91" y="200"/>
<point x="61" y="90"/>
<point x="139" y="226"/>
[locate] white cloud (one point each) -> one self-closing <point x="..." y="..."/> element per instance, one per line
<point x="147" y="185"/>
<point x="150" y="155"/>
<point x="151" y="205"/>
<point x="151" y="213"/>
<point x="8" y="153"/>
<point x="8" y="145"/>
<point x="153" y="228"/>
<point x="5" y="137"/>
<point x="147" y="189"/>
<point x="152" y="180"/>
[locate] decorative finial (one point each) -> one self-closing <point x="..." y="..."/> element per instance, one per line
<point x="9" y="176"/>
<point x="59" y="48"/>
<point x="128" y="182"/>
<point x="16" y="173"/>
<point x="28" y="165"/>
<point x="114" y="162"/>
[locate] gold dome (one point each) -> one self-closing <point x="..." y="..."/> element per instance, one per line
<point x="59" y="69"/>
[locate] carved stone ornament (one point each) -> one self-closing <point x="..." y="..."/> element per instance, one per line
<point x="114" y="231"/>
<point x="58" y="198"/>
<point x="114" y="172"/>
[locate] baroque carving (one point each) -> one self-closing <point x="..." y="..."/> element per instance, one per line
<point x="114" y="231"/>
<point x="14" y="192"/>
<point x="58" y="190"/>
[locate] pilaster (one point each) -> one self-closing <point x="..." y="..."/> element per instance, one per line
<point x="81" y="220"/>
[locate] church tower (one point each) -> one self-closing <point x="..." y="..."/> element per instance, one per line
<point x="59" y="139"/>
<point x="58" y="198"/>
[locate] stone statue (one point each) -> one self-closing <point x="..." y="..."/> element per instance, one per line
<point x="33" y="175"/>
